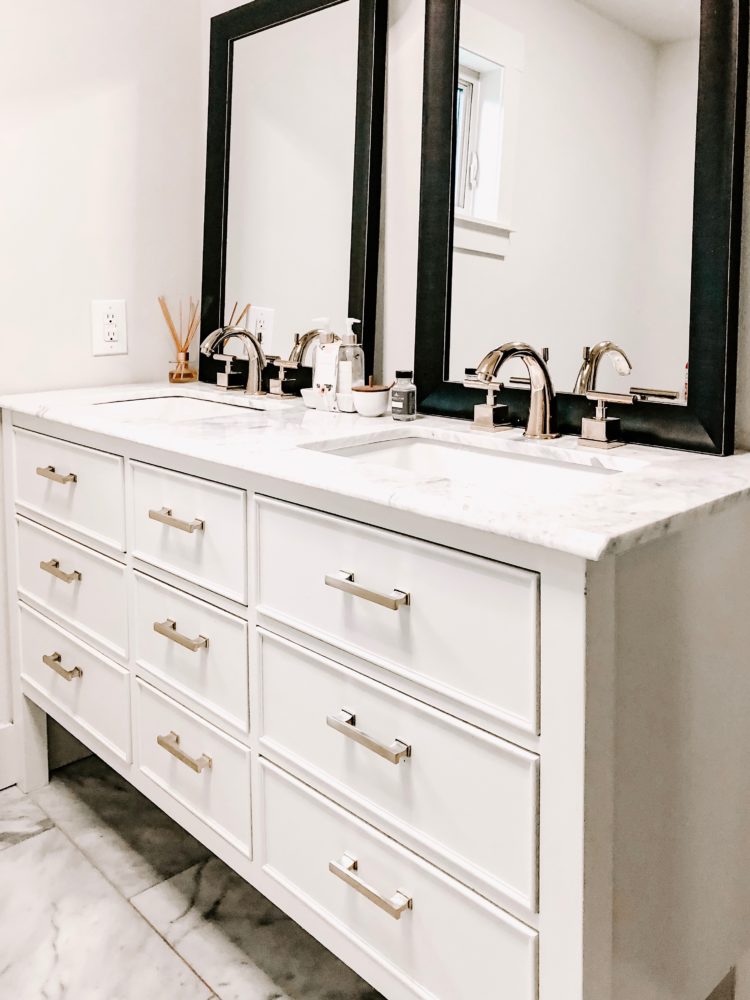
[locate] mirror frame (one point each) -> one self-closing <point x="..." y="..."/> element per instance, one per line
<point x="706" y="423"/>
<point x="232" y="26"/>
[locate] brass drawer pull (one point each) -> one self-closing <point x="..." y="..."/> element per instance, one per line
<point x="344" y="722"/>
<point x="48" y="472"/>
<point x="168" y="629"/>
<point x="344" y="870"/>
<point x="171" y="743"/>
<point x="344" y="580"/>
<point x="53" y="568"/>
<point x="164" y="516"/>
<point x="54" y="662"/>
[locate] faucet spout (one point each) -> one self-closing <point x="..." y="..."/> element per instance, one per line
<point x="256" y="357"/>
<point x="592" y="358"/>
<point x="542" y="422"/>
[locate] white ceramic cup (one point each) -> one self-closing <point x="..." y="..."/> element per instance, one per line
<point x="371" y="403"/>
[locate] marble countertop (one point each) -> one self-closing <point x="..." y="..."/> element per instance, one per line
<point x="650" y="492"/>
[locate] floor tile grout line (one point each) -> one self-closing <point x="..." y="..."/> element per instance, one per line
<point x="212" y="992"/>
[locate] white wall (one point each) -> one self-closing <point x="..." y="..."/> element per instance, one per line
<point x="101" y="187"/>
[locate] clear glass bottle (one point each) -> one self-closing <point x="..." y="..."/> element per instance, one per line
<point x="404" y="397"/>
<point x="351" y="360"/>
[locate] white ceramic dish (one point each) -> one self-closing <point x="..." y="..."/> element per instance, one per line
<point x="371" y="403"/>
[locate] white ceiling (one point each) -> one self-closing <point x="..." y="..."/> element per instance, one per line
<point x="657" y="20"/>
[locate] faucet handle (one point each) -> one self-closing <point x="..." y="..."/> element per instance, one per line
<point x="545" y="354"/>
<point x="601" y="431"/>
<point x="230" y="378"/>
<point x="602" y="398"/>
<point x="488" y="416"/>
<point x="473" y="381"/>
<point x="644" y="395"/>
<point x="586" y="353"/>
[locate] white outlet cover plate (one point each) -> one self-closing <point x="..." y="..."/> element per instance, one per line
<point x="260" y="322"/>
<point x="108" y="320"/>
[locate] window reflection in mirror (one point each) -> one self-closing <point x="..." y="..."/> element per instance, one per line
<point x="575" y="146"/>
<point x="291" y="169"/>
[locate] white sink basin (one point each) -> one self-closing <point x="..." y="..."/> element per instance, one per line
<point x="176" y="409"/>
<point x="434" y="459"/>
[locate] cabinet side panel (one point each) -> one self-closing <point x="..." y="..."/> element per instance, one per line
<point x="682" y="746"/>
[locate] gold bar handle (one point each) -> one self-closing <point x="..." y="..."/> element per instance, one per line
<point x="53" y="568"/>
<point x="345" y="869"/>
<point x="345" y="723"/>
<point x="344" y="580"/>
<point x="49" y="472"/>
<point x="54" y="662"/>
<point x="168" y="629"/>
<point x="164" y="516"/>
<point x="171" y="743"/>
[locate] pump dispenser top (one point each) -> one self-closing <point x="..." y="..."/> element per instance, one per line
<point x="350" y="338"/>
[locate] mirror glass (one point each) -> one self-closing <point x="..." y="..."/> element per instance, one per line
<point x="574" y="174"/>
<point x="291" y="170"/>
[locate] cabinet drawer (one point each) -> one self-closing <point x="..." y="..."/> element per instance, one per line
<point x="199" y="650"/>
<point x="67" y="482"/>
<point x="488" y="839"/>
<point x="469" y="630"/>
<point x="199" y="766"/>
<point x="83" y="589"/>
<point x="92" y="690"/>
<point x="205" y="540"/>
<point x="450" y="943"/>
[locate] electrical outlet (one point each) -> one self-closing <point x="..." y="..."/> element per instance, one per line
<point x="260" y="322"/>
<point x="109" y="331"/>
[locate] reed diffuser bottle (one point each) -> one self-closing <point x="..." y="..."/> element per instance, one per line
<point x="181" y="371"/>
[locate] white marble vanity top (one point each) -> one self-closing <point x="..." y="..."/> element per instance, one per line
<point x="656" y="491"/>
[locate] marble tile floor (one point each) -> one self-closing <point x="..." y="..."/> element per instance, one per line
<point x="103" y="897"/>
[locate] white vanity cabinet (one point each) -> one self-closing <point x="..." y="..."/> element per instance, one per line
<point x="474" y="768"/>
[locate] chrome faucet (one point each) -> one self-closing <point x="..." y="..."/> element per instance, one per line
<point x="253" y="352"/>
<point x="302" y="343"/>
<point x="592" y="357"/>
<point x="542" y="423"/>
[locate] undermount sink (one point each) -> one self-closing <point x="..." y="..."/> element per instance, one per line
<point x="175" y="409"/>
<point x="434" y="459"/>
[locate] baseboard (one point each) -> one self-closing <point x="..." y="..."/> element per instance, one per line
<point x="7" y="755"/>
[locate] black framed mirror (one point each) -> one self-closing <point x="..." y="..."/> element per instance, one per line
<point x="582" y="174"/>
<point x="293" y="168"/>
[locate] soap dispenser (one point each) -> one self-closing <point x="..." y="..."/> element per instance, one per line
<point x="310" y="341"/>
<point x="351" y="368"/>
<point x="325" y="374"/>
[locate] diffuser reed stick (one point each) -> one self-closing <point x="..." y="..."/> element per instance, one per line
<point x="182" y="370"/>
